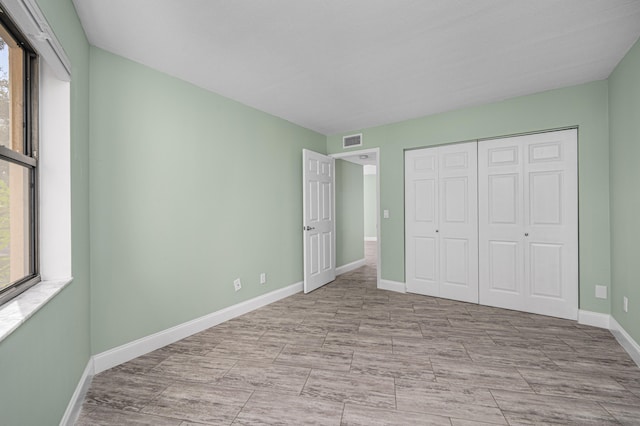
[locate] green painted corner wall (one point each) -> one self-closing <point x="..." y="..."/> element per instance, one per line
<point x="584" y="106"/>
<point x="370" y="206"/>
<point x="42" y="361"/>
<point x="349" y="213"/>
<point x="624" y="131"/>
<point x="191" y="190"/>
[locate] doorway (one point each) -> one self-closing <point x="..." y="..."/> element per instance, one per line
<point x="369" y="159"/>
<point x="370" y="195"/>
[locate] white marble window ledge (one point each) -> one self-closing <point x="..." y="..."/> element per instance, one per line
<point x="20" y="309"/>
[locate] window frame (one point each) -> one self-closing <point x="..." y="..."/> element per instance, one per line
<point x="29" y="159"/>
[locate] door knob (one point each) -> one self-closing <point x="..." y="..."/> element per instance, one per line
<point x="437" y="230"/>
<point x="526" y="234"/>
<point x="307" y="228"/>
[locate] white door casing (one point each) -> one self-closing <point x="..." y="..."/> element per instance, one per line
<point x="318" y="180"/>
<point x="441" y="221"/>
<point x="528" y="223"/>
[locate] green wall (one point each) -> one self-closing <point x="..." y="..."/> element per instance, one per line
<point x="624" y="131"/>
<point x="191" y="190"/>
<point x="370" y="206"/>
<point x="584" y="106"/>
<point x="42" y="361"/>
<point x="349" y="213"/>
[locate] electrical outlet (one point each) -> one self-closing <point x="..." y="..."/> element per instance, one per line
<point x="237" y="284"/>
<point x="601" y="292"/>
<point x="263" y="278"/>
<point x="625" y="304"/>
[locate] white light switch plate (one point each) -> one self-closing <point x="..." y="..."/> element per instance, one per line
<point x="385" y="214"/>
<point x="601" y="292"/>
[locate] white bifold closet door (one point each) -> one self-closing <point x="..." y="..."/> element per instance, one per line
<point x="528" y="223"/>
<point x="441" y="221"/>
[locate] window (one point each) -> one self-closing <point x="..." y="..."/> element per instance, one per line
<point x="18" y="162"/>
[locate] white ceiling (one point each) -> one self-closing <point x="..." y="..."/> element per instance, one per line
<point x="335" y="65"/>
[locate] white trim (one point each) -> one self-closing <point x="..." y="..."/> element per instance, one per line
<point x="18" y="310"/>
<point x="54" y="176"/>
<point x="371" y="238"/>
<point x="625" y="340"/>
<point x="595" y="319"/>
<point x="55" y="202"/>
<point x="350" y="267"/>
<point x="379" y="224"/>
<point x="29" y="18"/>
<point x="607" y="321"/>
<point x="369" y="169"/>
<point x="392" y="286"/>
<point x="116" y="356"/>
<point x="75" y="404"/>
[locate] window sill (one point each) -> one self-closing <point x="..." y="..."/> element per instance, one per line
<point x="20" y="309"/>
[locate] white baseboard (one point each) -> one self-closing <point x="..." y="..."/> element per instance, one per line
<point x="392" y="286"/>
<point x="116" y="356"/>
<point x="350" y="267"/>
<point x="625" y="340"/>
<point x="595" y="319"/>
<point x="75" y="404"/>
<point x="371" y="238"/>
<point x="607" y="321"/>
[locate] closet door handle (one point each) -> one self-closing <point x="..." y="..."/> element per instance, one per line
<point x="437" y="230"/>
<point x="526" y="234"/>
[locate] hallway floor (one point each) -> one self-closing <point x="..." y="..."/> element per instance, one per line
<point x="351" y="354"/>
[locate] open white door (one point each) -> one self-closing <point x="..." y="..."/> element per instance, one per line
<point x="318" y="182"/>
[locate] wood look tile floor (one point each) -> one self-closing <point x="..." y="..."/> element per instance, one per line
<point x="350" y="354"/>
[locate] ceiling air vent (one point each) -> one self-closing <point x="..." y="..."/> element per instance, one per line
<point x="352" y="140"/>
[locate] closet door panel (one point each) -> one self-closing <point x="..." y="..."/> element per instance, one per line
<point x="504" y="266"/>
<point x="503" y="194"/>
<point x="458" y="231"/>
<point x="421" y="219"/>
<point x="528" y="216"/>
<point x="455" y="261"/>
<point x="545" y="270"/>
<point x="425" y="255"/>
<point x="500" y="218"/>
<point x="441" y="221"/>
<point x="551" y="223"/>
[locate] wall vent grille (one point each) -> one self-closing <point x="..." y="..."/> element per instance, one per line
<point x="352" y="140"/>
